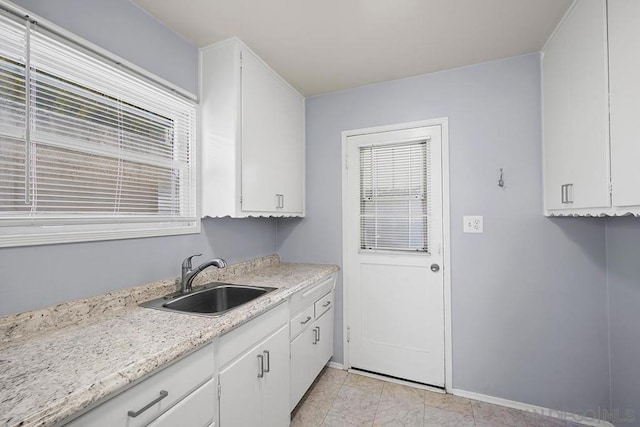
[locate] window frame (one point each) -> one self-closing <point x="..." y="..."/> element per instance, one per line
<point x="102" y="229"/>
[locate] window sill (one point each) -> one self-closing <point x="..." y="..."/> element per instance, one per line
<point x="74" y="234"/>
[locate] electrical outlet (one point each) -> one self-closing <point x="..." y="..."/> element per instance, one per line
<point x="472" y="224"/>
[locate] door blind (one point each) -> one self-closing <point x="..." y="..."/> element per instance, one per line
<point x="91" y="143"/>
<point x="394" y="197"/>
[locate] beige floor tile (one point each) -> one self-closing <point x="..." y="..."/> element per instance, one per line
<point x="365" y="383"/>
<point x="312" y="410"/>
<point x="486" y="412"/>
<point x="336" y="420"/>
<point x="399" y="413"/>
<point x="436" y="417"/>
<point x="480" y="423"/>
<point x="356" y="403"/>
<point x="448" y="402"/>
<point x="333" y="374"/>
<point x="533" y="419"/>
<point x="402" y="393"/>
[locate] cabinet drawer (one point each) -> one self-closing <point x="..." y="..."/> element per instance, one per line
<point x="177" y="380"/>
<point x="301" y="321"/>
<point x="323" y="304"/>
<point x="308" y="296"/>
<point x="197" y="409"/>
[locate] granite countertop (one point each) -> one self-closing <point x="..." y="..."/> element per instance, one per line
<point x="52" y="369"/>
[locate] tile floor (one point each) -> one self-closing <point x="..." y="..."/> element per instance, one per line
<point x="338" y="398"/>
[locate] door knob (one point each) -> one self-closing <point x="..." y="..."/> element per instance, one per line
<point x="435" y="268"/>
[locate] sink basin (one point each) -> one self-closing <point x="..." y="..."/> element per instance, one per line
<point x="213" y="299"/>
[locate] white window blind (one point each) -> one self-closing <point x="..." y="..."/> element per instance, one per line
<point x="394" y="197"/>
<point x="91" y="148"/>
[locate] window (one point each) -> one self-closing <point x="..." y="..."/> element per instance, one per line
<point x="394" y="197"/>
<point x="88" y="150"/>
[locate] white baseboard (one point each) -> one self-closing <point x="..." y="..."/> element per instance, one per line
<point x="336" y="365"/>
<point x="532" y="408"/>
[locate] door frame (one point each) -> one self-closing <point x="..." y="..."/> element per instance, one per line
<point x="443" y="122"/>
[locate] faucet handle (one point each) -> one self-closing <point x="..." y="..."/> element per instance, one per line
<point x="187" y="261"/>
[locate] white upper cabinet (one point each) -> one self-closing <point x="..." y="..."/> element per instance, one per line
<point x="590" y="101"/>
<point x="252" y="136"/>
<point x="576" y="128"/>
<point x="624" y="70"/>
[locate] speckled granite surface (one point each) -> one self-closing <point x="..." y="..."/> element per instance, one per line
<point x="73" y="312"/>
<point x="80" y="358"/>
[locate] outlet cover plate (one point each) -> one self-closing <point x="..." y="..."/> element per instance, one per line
<point x="472" y="224"/>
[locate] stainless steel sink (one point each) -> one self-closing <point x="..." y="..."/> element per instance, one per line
<point x="212" y="299"/>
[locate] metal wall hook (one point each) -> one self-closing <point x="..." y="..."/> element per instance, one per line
<point x="500" y="180"/>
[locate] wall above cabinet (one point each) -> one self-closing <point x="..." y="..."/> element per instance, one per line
<point x="589" y="96"/>
<point x="251" y="136"/>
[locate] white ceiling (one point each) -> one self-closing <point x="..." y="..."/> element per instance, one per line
<point x="322" y="46"/>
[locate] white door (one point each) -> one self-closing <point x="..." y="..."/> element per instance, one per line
<point x="394" y="250"/>
<point x="275" y="383"/>
<point x="624" y="68"/>
<point x="240" y="393"/>
<point x="259" y="131"/>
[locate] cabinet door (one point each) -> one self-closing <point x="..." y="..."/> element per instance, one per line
<point x="259" y="132"/>
<point x="302" y="365"/>
<point x="324" y="346"/>
<point x="240" y="393"/>
<point x="575" y="97"/>
<point x="290" y="145"/>
<point x="624" y="69"/>
<point x="275" y="384"/>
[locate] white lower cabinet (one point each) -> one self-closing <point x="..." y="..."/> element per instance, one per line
<point x="185" y="384"/>
<point x="310" y="351"/>
<point x="254" y="383"/>
<point x="264" y="367"/>
<point x="311" y="335"/>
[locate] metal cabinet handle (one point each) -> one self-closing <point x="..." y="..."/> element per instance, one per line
<point x="566" y="192"/>
<point x="279" y="201"/>
<point x="305" y="321"/>
<point x="267" y="358"/>
<point x="260" y="366"/>
<point x="326" y="304"/>
<point x="316" y="335"/>
<point x="163" y="394"/>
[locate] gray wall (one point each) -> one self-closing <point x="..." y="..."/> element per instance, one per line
<point x="529" y="295"/>
<point x="38" y="276"/>
<point x="126" y="30"/>
<point x="623" y="269"/>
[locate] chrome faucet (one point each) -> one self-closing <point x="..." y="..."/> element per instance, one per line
<point x="186" y="284"/>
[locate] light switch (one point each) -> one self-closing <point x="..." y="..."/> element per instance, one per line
<point x="472" y="224"/>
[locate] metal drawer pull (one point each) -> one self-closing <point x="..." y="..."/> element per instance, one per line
<point x="316" y="335"/>
<point x="305" y="321"/>
<point x="326" y="304"/>
<point x="261" y="366"/>
<point x="266" y="358"/>
<point x="163" y="394"/>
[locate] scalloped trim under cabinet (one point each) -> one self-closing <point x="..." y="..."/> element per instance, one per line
<point x="595" y="213"/>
